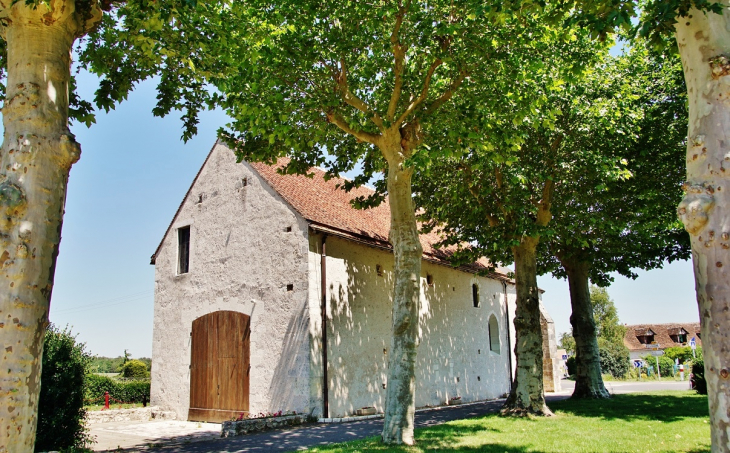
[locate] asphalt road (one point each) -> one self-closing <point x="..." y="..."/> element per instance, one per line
<point x="617" y="387"/>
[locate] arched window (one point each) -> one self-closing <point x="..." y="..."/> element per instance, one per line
<point x="493" y="334"/>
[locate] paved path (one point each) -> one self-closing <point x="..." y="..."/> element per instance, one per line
<point x="191" y="437"/>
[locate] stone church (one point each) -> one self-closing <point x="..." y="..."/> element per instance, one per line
<point x="273" y="293"/>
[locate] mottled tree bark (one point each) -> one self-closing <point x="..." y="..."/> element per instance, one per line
<point x="400" y="398"/>
<point x="527" y="395"/>
<point x="36" y="157"/>
<point x="704" y="45"/>
<point x="588" y="379"/>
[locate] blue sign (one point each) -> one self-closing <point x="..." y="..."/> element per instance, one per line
<point x="693" y="343"/>
<point x="638" y="363"/>
<point x="565" y="356"/>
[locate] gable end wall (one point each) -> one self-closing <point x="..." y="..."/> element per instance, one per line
<point x="241" y="259"/>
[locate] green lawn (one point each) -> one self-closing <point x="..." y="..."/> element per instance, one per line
<point x="100" y="407"/>
<point x="671" y="421"/>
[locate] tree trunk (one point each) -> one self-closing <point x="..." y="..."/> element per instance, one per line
<point x="527" y="395"/>
<point x="588" y="379"/>
<point x="704" y="44"/>
<point x="36" y="156"/>
<point x="400" y="398"/>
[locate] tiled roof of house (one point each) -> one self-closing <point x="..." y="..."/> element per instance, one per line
<point x="662" y="334"/>
<point x="328" y="209"/>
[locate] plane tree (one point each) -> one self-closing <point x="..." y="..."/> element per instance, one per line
<point x="380" y="84"/>
<point x="38" y="150"/>
<point x="615" y="226"/>
<point x="498" y="195"/>
<point x="701" y="31"/>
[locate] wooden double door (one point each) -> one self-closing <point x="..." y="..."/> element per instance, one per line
<point x="220" y="366"/>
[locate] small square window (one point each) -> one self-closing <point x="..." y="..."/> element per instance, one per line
<point x="379" y="270"/>
<point x="287" y="229"/>
<point x="244" y="182"/>
<point x="475" y="295"/>
<point x="429" y="279"/>
<point x="290" y="287"/>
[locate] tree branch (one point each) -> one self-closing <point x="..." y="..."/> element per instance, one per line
<point x="499" y="178"/>
<point x="399" y="53"/>
<point x="424" y="92"/>
<point x="363" y="136"/>
<point x="353" y="100"/>
<point x="543" y="213"/>
<point x="446" y="95"/>
<point x="493" y="221"/>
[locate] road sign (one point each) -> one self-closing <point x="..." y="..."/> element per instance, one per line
<point x="693" y="343"/>
<point x="565" y="356"/>
<point x="638" y="363"/>
<point x="657" y="353"/>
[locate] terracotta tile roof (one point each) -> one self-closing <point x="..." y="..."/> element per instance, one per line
<point x="662" y="334"/>
<point x="328" y="209"/>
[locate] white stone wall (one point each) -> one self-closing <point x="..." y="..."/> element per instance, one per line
<point x="241" y="259"/>
<point x="454" y="358"/>
<point x="551" y="360"/>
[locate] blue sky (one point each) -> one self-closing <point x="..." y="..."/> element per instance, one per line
<point x="132" y="175"/>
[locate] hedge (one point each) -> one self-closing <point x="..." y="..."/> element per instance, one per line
<point x="698" y="377"/>
<point x="61" y="412"/>
<point x="126" y="391"/>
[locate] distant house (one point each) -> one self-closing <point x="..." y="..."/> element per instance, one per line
<point x="643" y="337"/>
<point x="273" y="293"/>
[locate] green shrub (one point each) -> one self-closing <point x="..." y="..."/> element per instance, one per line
<point x="683" y="353"/>
<point x="120" y="390"/>
<point x="698" y="377"/>
<point x="61" y="404"/>
<point x="135" y="369"/>
<point x="570" y="363"/>
<point x="666" y="365"/>
<point x="614" y="358"/>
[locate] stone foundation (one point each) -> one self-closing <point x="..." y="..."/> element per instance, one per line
<point x="253" y="425"/>
<point x="126" y="415"/>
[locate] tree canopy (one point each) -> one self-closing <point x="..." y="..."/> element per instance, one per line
<point x="608" y="325"/>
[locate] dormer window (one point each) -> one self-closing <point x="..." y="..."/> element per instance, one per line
<point x="645" y="336"/>
<point x="678" y="335"/>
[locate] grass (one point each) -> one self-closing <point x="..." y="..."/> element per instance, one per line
<point x="669" y="421"/>
<point x="98" y="407"/>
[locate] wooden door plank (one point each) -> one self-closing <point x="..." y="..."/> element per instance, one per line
<point x="220" y="366"/>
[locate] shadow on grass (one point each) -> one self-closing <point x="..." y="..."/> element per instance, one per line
<point x="435" y="438"/>
<point x="662" y="406"/>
